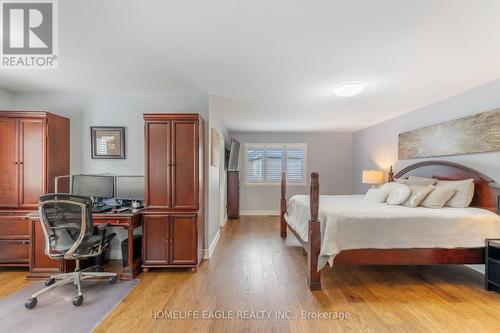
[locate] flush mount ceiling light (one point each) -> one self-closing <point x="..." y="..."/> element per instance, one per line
<point x="348" y="89"/>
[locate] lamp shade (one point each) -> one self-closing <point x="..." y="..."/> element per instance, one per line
<point x="373" y="177"/>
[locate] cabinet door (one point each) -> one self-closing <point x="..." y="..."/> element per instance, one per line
<point x="185" y="166"/>
<point x="155" y="237"/>
<point x="9" y="152"/>
<point x="32" y="161"/>
<point x="158" y="162"/>
<point x="183" y="239"/>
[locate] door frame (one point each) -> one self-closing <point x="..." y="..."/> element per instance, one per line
<point x="222" y="182"/>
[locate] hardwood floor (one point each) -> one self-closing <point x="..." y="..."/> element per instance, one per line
<point x="254" y="269"/>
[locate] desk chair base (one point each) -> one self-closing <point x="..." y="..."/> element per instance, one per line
<point x="75" y="277"/>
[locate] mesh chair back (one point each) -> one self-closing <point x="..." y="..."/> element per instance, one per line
<point x="66" y="221"/>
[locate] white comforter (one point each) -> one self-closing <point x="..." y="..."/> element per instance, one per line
<point x="349" y="222"/>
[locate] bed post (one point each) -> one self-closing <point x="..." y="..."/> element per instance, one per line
<point x="391" y="175"/>
<point x="314" y="242"/>
<point x="283" y="206"/>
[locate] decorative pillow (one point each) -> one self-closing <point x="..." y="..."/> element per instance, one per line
<point x="388" y="187"/>
<point x="418" y="194"/>
<point x="464" y="192"/>
<point x="402" y="180"/>
<point x="398" y="195"/>
<point x="376" y="195"/>
<point x="438" y="198"/>
<point x="421" y="181"/>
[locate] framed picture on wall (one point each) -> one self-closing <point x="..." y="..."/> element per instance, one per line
<point x="108" y="142"/>
<point x="214" y="151"/>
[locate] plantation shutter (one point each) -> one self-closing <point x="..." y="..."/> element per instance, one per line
<point x="274" y="158"/>
<point x="295" y="164"/>
<point x="255" y="164"/>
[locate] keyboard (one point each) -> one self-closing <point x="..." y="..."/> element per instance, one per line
<point x="100" y="208"/>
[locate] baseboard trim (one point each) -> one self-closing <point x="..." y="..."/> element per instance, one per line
<point x="477" y="268"/>
<point x="224" y="221"/>
<point x="260" y="212"/>
<point x="207" y="253"/>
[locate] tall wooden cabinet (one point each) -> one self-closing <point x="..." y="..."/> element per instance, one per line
<point x="173" y="222"/>
<point x="233" y="194"/>
<point x="34" y="148"/>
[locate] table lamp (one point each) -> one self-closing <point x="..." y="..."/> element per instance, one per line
<point x="372" y="177"/>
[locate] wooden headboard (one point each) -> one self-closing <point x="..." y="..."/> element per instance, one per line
<point x="485" y="196"/>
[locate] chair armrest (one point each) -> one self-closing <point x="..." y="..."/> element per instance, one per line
<point x="102" y="226"/>
<point x="102" y="234"/>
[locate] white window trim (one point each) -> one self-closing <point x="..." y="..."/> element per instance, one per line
<point x="276" y="145"/>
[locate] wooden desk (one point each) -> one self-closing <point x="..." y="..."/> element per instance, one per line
<point x="129" y="221"/>
<point x="41" y="266"/>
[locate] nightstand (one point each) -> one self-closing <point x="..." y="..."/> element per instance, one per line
<point x="492" y="265"/>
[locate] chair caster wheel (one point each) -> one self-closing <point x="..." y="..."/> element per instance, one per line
<point x="31" y="303"/>
<point x="50" y="282"/>
<point x="113" y="279"/>
<point x="77" y="300"/>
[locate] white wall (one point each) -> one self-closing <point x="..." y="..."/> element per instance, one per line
<point x="377" y="146"/>
<point x="330" y="154"/>
<point x="214" y="181"/>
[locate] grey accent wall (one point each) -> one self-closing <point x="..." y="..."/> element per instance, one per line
<point x="110" y="110"/>
<point x="377" y="146"/>
<point x="5" y="99"/>
<point x="330" y="154"/>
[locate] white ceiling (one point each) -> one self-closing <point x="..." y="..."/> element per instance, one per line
<point x="271" y="65"/>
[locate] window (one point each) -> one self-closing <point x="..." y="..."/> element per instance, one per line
<point x="266" y="162"/>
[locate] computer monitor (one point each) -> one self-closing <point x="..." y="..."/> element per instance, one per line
<point x="93" y="186"/>
<point x="129" y="187"/>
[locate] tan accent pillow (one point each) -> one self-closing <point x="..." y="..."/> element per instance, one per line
<point x="398" y="195"/>
<point x="418" y="194"/>
<point x="421" y="181"/>
<point x="438" y="198"/>
<point x="464" y="192"/>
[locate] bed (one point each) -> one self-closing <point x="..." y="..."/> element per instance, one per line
<point x="350" y="230"/>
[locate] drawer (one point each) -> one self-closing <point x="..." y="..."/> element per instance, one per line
<point x="14" y="228"/>
<point x="112" y="221"/>
<point x="14" y="251"/>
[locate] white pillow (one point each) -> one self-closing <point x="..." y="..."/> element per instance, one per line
<point x="464" y="192"/>
<point x="421" y="181"/>
<point x="438" y="198"/>
<point x="401" y="180"/>
<point x="388" y="187"/>
<point x="376" y="195"/>
<point x="398" y="195"/>
<point x="418" y="194"/>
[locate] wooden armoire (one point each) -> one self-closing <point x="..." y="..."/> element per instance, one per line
<point x="34" y="149"/>
<point x="173" y="221"/>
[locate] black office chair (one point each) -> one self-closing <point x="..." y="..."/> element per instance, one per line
<point x="67" y="225"/>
